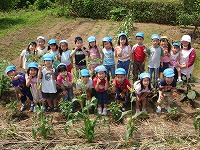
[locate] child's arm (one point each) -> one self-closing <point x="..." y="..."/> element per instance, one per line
<point x="39" y="72"/>
<point x="97" y="84"/>
<point x="53" y="75"/>
<point x="73" y="52"/>
<point x="84" y="51"/>
<point x="106" y="84"/>
<point x="28" y="81"/>
<point x="64" y="91"/>
<point x="20" y="61"/>
<point x="113" y="86"/>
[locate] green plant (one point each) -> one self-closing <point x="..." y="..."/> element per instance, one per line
<point x="173" y="113"/>
<point x="4" y="84"/>
<point x="12" y="106"/>
<point x="196" y="122"/>
<point x="8" y="132"/>
<point x="115" y="111"/>
<point x="42" y="4"/>
<point x="42" y="123"/>
<point x="118" y="13"/>
<point x="66" y="109"/>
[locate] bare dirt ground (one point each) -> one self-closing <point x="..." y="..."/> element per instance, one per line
<point x="154" y="133"/>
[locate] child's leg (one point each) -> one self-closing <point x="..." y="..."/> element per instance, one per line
<point x="151" y="70"/>
<point x="100" y="101"/>
<point x="144" y="104"/>
<point x="159" y="102"/>
<point x="137" y="104"/>
<point x="135" y="70"/>
<point x="179" y="73"/>
<point x="127" y="66"/>
<point x="112" y="69"/>
<point x="29" y="95"/>
<point x="105" y="102"/>
<point x="156" y="72"/>
<point x="23" y="99"/>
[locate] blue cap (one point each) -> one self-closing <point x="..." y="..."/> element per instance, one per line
<point x="33" y="65"/>
<point x="169" y="72"/>
<point x="61" y="64"/>
<point x="121" y="35"/>
<point x="176" y="44"/>
<point x="10" y="68"/>
<point x="85" y="73"/>
<point x="100" y="68"/>
<point x="120" y="71"/>
<point x="144" y="75"/>
<point x="48" y="56"/>
<point x="91" y="39"/>
<point x="155" y="36"/>
<point x="63" y="41"/>
<point x="107" y="39"/>
<point x="52" y="41"/>
<point x="140" y="34"/>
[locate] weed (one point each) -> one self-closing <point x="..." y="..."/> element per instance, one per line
<point x="196" y="122"/>
<point x="66" y="109"/>
<point x="8" y="132"/>
<point x="173" y="114"/>
<point x="115" y="111"/>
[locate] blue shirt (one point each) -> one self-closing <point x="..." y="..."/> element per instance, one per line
<point x="21" y="82"/>
<point x="165" y="86"/>
<point x="108" y="57"/>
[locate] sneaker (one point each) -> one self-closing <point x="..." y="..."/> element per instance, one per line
<point x="31" y="107"/>
<point x="167" y="107"/>
<point x="158" y="109"/>
<point x="104" y="112"/>
<point x="137" y="110"/>
<point x="22" y="107"/>
<point x="34" y="109"/>
<point x="144" y="110"/>
<point x="179" y="80"/>
<point x="99" y="110"/>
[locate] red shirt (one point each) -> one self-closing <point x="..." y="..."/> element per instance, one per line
<point x="138" y="53"/>
<point x="122" y="86"/>
<point x="101" y="84"/>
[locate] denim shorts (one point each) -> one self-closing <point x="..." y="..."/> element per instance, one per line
<point x="102" y="97"/>
<point x="111" y="68"/>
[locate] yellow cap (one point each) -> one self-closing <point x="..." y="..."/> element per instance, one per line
<point x="164" y="37"/>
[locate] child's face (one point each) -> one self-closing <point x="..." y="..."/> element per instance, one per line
<point x="107" y="45"/>
<point x="122" y="41"/>
<point x="155" y="42"/>
<point x="163" y="42"/>
<point x="79" y="43"/>
<point x="92" y="44"/>
<point x="53" y="47"/>
<point x="85" y="79"/>
<point x="48" y="63"/>
<point x="11" y="73"/>
<point x="63" y="73"/>
<point x="101" y="75"/>
<point x="145" y="82"/>
<point x="139" y="40"/>
<point x="175" y="49"/>
<point x="185" y="43"/>
<point x="169" y="80"/>
<point x="33" y="72"/>
<point x="63" y="46"/>
<point x="32" y="47"/>
<point x="120" y="78"/>
<point x="40" y="43"/>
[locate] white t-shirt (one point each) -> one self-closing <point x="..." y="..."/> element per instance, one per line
<point x="138" y="88"/>
<point x="24" y="54"/>
<point x="65" y="57"/>
<point x="41" y="51"/>
<point x="155" y="55"/>
<point x="48" y="83"/>
<point x="88" y="85"/>
<point x="125" y="52"/>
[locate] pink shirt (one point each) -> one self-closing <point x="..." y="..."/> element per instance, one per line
<point x="61" y="80"/>
<point x="94" y="53"/>
<point x="166" y="57"/>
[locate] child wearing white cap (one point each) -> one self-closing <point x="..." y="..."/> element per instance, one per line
<point x="166" y="86"/>
<point x="41" y="48"/>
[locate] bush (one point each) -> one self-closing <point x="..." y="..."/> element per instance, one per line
<point x="42" y="4"/>
<point x="7" y="4"/>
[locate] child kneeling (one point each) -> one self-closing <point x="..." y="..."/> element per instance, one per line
<point x="165" y="89"/>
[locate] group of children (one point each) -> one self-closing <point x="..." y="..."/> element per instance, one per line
<point x="55" y="73"/>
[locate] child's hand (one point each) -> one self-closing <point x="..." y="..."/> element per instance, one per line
<point x="98" y="81"/>
<point x="145" y="50"/>
<point x="20" y="95"/>
<point x="161" y="96"/>
<point x="64" y="93"/>
<point x="161" y="64"/>
<point x="122" y="95"/>
<point x="40" y="67"/>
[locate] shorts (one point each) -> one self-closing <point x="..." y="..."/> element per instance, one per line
<point x="102" y="97"/>
<point x="50" y="96"/>
<point x="165" y="66"/>
<point x="166" y="98"/>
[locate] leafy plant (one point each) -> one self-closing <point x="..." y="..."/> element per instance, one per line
<point x="66" y="109"/>
<point x="8" y="132"/>
<point x="173" y="113"/>
<point x="42" y="124"/>
<point x="12" y="106"/>
<point x="115" y="111"/>
<point x="196" y="122"/>
<point x="4" y="84"/>
<point x="118" y="13"/>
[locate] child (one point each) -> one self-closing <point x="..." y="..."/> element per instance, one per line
<point x="32" y="81"/>
<point x="86" y="84"/>
<point x="174" y="58"/>
<point x="80" y="53"/>
<point x="48" y="82"/>
<point x="120" y="86"/>
<point x="187" y="56"/>
<point x="18" y="82"/>
<point x="138" y="56"/>
<point x="41" y="48"/>
<point x="94" y="54"/>
<point x="142" y="88"/>
<point x="64" y="55"/>
<point x="155" y="53"/>
<point x="108" y="55"/>
<point x="23" y="60"/>
<point x="53" y="50"/>
<point x="101" y="84"/>
<point x="123" y="52"/>
<point x="167" y="84"/>
<point x="166" y="46"/>
<point x="64" y="80"/>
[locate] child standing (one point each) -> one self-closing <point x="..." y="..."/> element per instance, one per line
<point x="142" y="88"/>
<point x="80" y="53"/>
<point x="101" y="84"/>
<point x="108" y="55"/>
<point x="166" y="46"/>
<point x="64" y="79"/>
<point x="155" y="53"/>
<point x="32" y="81"/>
<point x="120" y="84"/>
<point x="23" y="60"/>
<point x="64" y="55"/>
<point x="123" y="52"/>
<point x="53" y="50"/>
<point x="187" y="56"/>
<point x="174" y="58"/>
<point x="41" y="48"/>
<point x="86" y="84"/>
<point x="94" y="54"/>
<point x="167" y="84"/>
<point x="18" y="82"/>
<point x="138" y="56"/>
<point x="48" y="82"/>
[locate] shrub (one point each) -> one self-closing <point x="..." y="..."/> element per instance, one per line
<point x="42" y="4"/>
